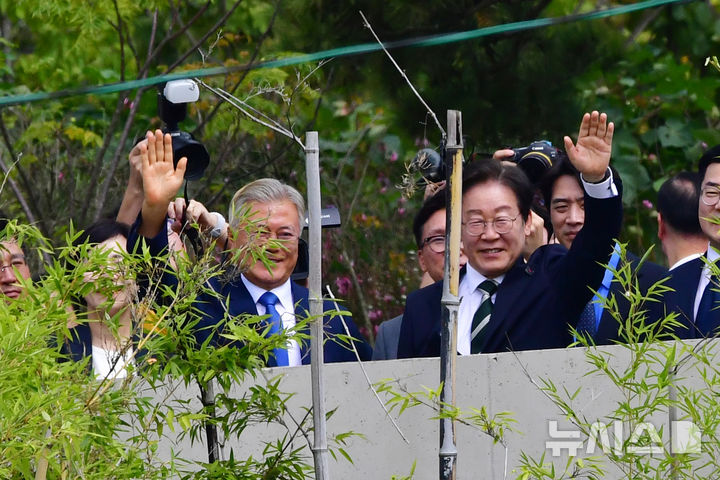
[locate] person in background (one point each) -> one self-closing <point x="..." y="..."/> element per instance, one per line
<point x="107" y="343"/>
<point x="507" y="303"/>
<point x="429" y="232"/>
<point x="14" y="269"/>
<point x="563" y="194"/>
<point x="679" y="229"/>
<point x="696" y="298"/>
<point x="276" y="211"/>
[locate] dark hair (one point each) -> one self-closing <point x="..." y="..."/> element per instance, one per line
<point x="677" y="202"/>
<point x="710" y="156"/>
<point x="561" y="168"/>
<point x="103" y="230"/>
<point x="429" y="207"/>
<point x="509" y="176"/>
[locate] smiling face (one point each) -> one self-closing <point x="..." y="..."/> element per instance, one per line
<point x="710" y="214"/>
<point x="13" y="268"/>
<point x="567" y="209"/>
<point x="279" y="220"/>
<point x="490" y="253"/>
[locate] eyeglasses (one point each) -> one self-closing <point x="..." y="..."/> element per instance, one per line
<point x="283" y="235"/>
<point x="710" y="196"/>
<point x="436" y="243"/>
<point x="17" y="263"/>
<point x="501" y="225"/>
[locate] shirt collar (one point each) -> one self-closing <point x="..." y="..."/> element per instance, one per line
<point x="684" y="260"/>
<point x="475" y="278"/>
<point x="712" y="254"/>
<point x="283" y="292"/>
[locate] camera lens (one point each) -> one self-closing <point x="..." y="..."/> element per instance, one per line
<point x="184" y="145"/>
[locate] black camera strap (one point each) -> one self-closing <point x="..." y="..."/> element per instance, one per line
<point x="192" y="233"/>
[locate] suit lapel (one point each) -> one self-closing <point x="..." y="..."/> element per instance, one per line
<point x="302" y="309"/>
<point x="508" y="296"/>
<point x="240" y="299"/>
<point x="686" y="279"/>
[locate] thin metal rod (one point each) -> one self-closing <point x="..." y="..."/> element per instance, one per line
<point x="402" y="72"/>
<point x="450" y="301"/>
<point x="320" y="450"/>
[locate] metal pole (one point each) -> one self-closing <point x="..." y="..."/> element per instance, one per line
<point x="312" y="165"/>
<point x="450" y="301"/>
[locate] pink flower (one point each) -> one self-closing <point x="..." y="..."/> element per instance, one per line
<point x="60" y="176"/>
<point x="647" y="204"/>
<point x="343" y="285"/>
<point x="401" y="211"/>
<point x="374" y="315"/>
<point x="393" y="157"/>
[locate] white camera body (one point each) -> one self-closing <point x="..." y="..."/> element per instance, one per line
<point x="181" y="91"/>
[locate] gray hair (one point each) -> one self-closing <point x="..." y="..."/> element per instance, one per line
<point x="265" y="190"/>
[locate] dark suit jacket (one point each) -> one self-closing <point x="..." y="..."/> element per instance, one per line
<point x="211" y="311"/>
<point x="537" y="301"/>
<point x="648" y="274"/>
<point x="685" y="280"/>
<point x="386" y="342"/>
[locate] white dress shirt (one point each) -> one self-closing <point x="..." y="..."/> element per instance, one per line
<point x="470" y="298"/>
<point x="285" y="307"/>
<point x="110" y="363"/>
<point x="712" y="256"/>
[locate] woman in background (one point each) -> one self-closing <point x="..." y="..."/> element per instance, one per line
<point x="105" y="330"/>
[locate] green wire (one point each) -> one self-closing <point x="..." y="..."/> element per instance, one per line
<point x="434" y="40"/>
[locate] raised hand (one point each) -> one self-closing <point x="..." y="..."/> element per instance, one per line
<point x="591" y="154"/>
<point x="161" y="180"/>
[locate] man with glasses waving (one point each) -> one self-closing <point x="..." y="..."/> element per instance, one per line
<point x="506" y="303"/>
<point x="696" y="297"/>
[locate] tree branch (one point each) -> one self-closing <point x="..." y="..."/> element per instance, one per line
<point x="210" y="31"/>
<point x="18" y="194"/>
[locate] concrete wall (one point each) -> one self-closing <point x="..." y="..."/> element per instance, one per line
<point x="499" y="382"/>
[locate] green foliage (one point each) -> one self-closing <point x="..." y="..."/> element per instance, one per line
<point x="58" y="416"/>
<point x="653" y="377"/>
<point x="398" y="397"/>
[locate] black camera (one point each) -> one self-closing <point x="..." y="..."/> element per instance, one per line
<point x="430" y="164"/>
<point x="535" y="159"/>
<point x="172" y="108"/>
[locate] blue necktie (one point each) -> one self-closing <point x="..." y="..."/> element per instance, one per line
<point x="586" y="324"/>
<point x="709" y="309"/>
<point x="268" y="300"/>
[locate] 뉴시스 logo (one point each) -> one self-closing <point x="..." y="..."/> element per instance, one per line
<point x="644" y="438"/>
